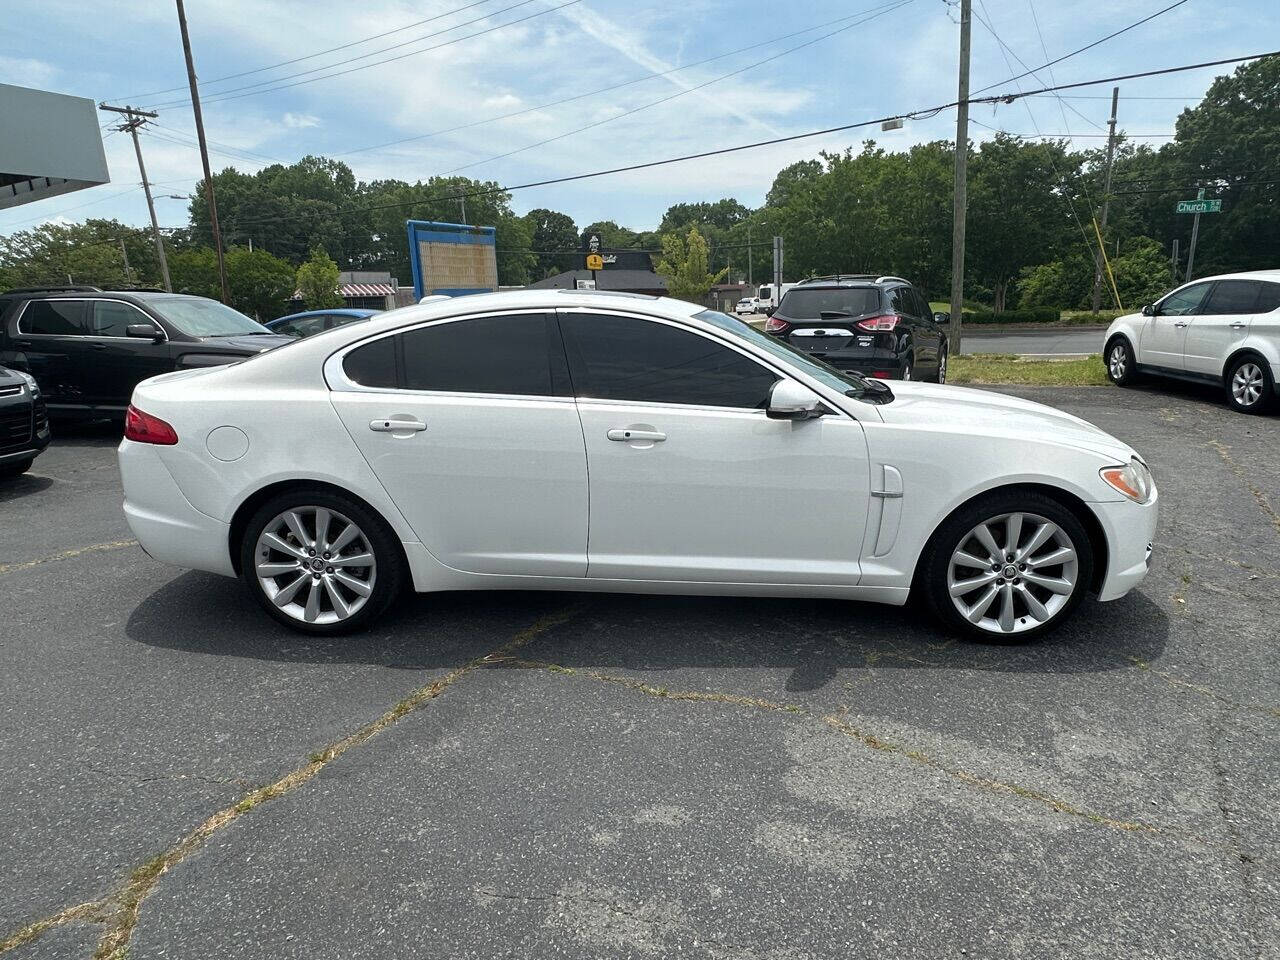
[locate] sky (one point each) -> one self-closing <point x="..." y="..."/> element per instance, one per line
<point x="473" y="81"/>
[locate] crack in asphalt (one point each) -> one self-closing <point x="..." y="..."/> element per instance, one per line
<point x="1264" y="504"/>
<point x="66" y="555"/>
<point x="1244" y="861"/>
<point x="118" y="910"/>
<point x="1176" y="681"/>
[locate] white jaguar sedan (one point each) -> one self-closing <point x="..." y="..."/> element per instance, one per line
<point x="574" y="440"/>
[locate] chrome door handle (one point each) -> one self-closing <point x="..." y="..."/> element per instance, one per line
<point x="396" y="426"/>
<point x="627" y="435"/>
<point x="1179" y="323"/>
<point x="1238" y="325"/>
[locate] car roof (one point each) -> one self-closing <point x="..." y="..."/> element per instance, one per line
<point x="336" y="311"/>
<point x="1272" y="275"/>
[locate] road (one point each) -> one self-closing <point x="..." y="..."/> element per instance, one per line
<point x="1059" y="341"/>
<point x="535" y="775"/>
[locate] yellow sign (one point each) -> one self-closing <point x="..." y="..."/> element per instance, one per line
<point x="595" y="261"/>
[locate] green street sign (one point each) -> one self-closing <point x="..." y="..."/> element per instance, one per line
<point x="1199" y="206"/>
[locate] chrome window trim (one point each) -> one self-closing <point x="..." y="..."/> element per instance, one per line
<point x="18" y="331"/>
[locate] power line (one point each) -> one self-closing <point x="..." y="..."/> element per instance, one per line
<point x="312" y="56"/>
<point x="1075" y="136"/>
<point x="233" y="95"/>
<point x="680" y="93"/>
<point x="596" y="91"/>
<point x="1087" y="46"/>
<point x="789" y="138"/>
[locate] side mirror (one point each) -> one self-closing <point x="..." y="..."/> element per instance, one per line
<point x="1148" y="310"/>
<point x="942" y="317"/>
<point x="768" y="311"/>
<point x="144" y="331"/>
<point x="789" y="400"/>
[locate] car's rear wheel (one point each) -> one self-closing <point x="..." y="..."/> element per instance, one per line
<point x="942" y="365"/>
<point x="907" y="372"/>
<point x="1250" y="388"/>
<point x="1121" y="364"/>
<point x="1008" y="567"/>
<point x="321" y="562"/>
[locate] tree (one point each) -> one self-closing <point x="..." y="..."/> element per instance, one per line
<point x="86" y="252"/>
<point x="612" y="236"/>
<point x="553" y="231"/>
<point x="684" y="266"/>
<point x="260" y="283"/>
<point x="194" y="270"/>
<point x="318" y="281"/>
<point x="1143" y="273"/>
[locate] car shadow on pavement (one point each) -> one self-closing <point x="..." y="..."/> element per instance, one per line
<point x="813" y="639"/>
<point x="86" y="433"/>
<point x="23" y="485"/>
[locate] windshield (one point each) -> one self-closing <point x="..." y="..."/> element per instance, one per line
<point x="200" y="317"/>
<point x="845" y="381"/>
<point x="811" y="304"/>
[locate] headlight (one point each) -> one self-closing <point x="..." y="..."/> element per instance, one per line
<point x="31" y="381"/>
<point x="1133" y="480"/>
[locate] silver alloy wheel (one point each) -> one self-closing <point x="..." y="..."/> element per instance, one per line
<point x="1247" y="384"/>
<point x="1117" y="362"/>
<point x="906" y="370"/>
<point x="315" y="564"/>
<point x="1013" y="572"/>
<point x="942" y="367"/>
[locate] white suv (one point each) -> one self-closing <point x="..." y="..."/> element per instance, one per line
<point x="1223" y="330"/>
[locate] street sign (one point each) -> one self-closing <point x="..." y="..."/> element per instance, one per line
<point x="595" y="261"/>
<point x="584" y="284"/>
<point x="1199" y="206"/>
<point x="593" y="244"/>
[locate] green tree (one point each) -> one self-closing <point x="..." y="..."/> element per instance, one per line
<point x="194" y="270"/>
<point x="87" y="253"/>
<point x="260" y="283"/>
<point x="1142" y="272"/>
<point x="318" y="281"/>
<point x="612" y="236"/>
<point x="684" y="266"/>
<point x="553" y="231"/>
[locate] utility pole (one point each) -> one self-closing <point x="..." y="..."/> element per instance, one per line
<point x="137" y="118"/>
<point x="1175" y="258"/>
<point x="777" y="271"/>
<point x="128" y="274"/>
<point x="463" y="200"/>
<point x="1106" y="199"/>
<point x="959" y="199"/>
<point x="750" y="282"/>
<point x="1195" y="235"/>
<point x="204" y="153"/>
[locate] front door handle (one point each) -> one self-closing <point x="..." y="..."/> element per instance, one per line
<point x="397" y="426"/>
<point x="631" y="435"/>
<point x="1179" y="323"/>
<point x="97" y="346"/>
<point x="1238" y="325"/>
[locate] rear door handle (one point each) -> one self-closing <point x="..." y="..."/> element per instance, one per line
<point x="628" y="435"/>
<point x="397" y="426"/>
<point x="97" y="346"/>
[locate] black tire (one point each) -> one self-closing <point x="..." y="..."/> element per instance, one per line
<point x="935" y="563"/>
<point x="380" y="540"/>
<point x="908" y="365"/>
<point x="1121" y="364"/>
<point x="940" y="376"/>
<point x="1250" y="369"/>
<point x="16" y="468"/>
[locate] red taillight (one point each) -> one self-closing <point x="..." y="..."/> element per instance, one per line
<point x="776" y="325"/>
<point x="886" y="322"/>
<point x="142" y="427"/>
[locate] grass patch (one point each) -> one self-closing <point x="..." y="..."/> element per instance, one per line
<point x="1000" y="368"/>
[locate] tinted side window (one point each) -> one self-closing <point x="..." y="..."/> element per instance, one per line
<point x="1184" y="301"/>
<point x="624" y="358"/>
<point x="1232" y="296"/>
<point x="900" y="301"/>
<point x="54" y="318"/>
<point x="1268" y="298"/>
<point x="507" y="355"/>
<point x="374" y="364"/>
<point x="112" y="318"/>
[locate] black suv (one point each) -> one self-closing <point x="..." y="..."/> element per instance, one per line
<point x="878" y="326"/>
<point x="24" y="424"/>
<point x="88" y="348"/>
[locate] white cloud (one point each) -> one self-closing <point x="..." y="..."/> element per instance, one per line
<point x="27" y="72"/>
<point x="300" y="121"/>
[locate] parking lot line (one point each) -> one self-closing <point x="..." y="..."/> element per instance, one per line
<point x="67" y="555"/>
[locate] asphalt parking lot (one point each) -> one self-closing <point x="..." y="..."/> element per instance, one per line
<point x="533" y="775"/>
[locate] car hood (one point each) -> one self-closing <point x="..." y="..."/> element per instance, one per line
<point x="9" y="378"/>
<point x="250" y="343"/>
<point x="984" y="412"/>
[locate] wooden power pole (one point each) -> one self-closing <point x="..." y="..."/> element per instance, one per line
<point x="960" y="198"/>
<point x="1106" y="199"/>
<point x="204" y="154"/>
<point x="137" y="118"/>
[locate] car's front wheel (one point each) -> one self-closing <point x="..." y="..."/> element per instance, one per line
<point x="1249" y="386"/>
<point x="1007" y="567"/>
<point x="1121" y="365"/>
<point x="321" y="562"/>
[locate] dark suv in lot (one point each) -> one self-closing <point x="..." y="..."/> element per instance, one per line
<point x="88" y="348"/>
<point x="877" y="326"/>
<point x="24" y="423"/>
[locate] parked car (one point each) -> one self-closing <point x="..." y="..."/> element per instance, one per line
<point x="469" y="444"/>
<point x="1222" y="330"/>
<point x="746" y="305"/>
<point x="88" y="348"/>
<point x="24" y="422"/>
<point x="311" y="322"/>
<point x="877" y="326"/>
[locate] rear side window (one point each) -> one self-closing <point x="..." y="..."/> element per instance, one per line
<point x="503" y="355"/>
<point x="812" y="304"/>
<point x="373" y="365"/>
<point x="1231" y="296"/>
<point x="1268" y="298"/>
<point x="626" y="358"/>
<point x="55" y="318"/>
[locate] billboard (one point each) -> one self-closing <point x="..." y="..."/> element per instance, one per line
<point x="452" y="258"/>
<point x="51" y="145"/>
